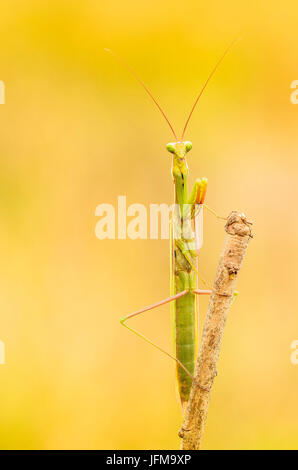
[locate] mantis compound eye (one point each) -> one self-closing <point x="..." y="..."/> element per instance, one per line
<point x="171" y="148"/>
<point x="188" y="145"/>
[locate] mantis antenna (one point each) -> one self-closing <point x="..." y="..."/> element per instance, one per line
<point x="205" y="84"/>
<point x="130" y="69"/>
<point x="145" y="88"/>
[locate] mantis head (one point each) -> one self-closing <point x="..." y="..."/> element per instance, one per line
<point x="179" y="149"/>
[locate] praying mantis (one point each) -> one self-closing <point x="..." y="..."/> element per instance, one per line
<point x="186" y="239"/>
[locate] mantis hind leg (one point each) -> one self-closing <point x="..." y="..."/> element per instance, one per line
<point x="151" y="307"/>
<point x="140" y="335"/>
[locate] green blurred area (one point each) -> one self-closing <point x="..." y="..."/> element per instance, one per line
<point x="77" y="131"/>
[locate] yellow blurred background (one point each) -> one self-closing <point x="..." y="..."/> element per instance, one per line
<point x="77" y="131"/>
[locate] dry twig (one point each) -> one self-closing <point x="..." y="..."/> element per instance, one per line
<point x="238" y="234"/>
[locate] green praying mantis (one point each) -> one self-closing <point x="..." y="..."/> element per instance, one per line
<point x="186" y="238"/>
